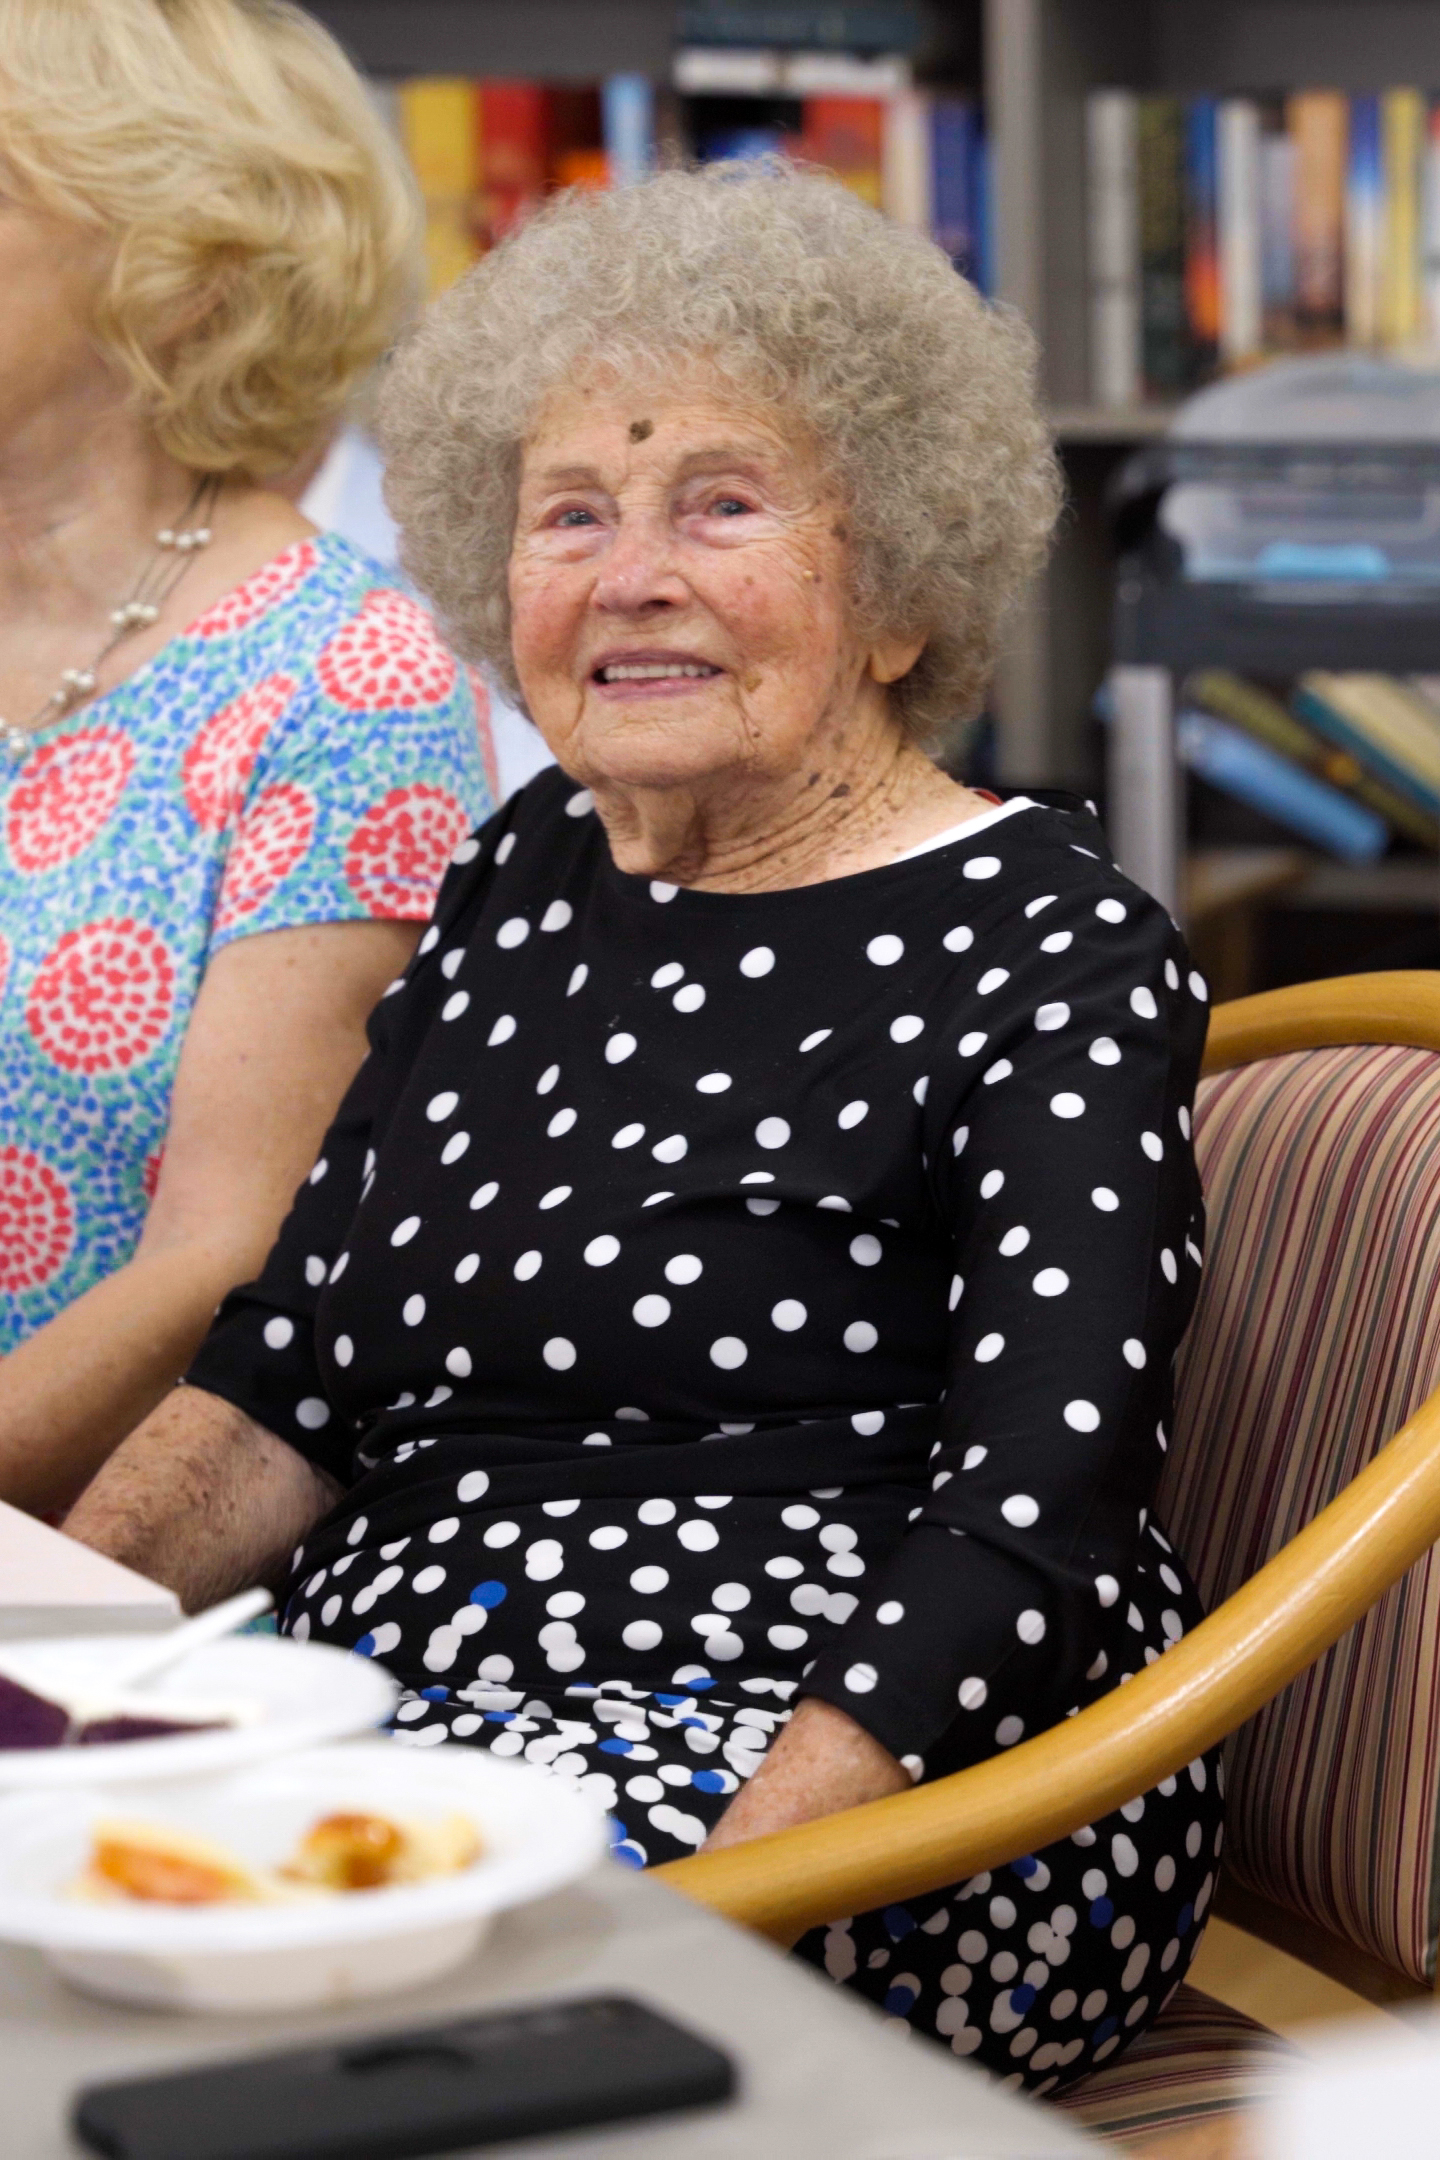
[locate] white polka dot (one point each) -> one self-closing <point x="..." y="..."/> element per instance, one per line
<point x="454" y="1147"/>
<point x="1167" y="1265"/>
<point x="861" y="1678"/>
<point x="852" y="1115"/>
<point x="713" y="1083"/>
<point x="890" y="1612"/>
<point x="428" y="1579"/>
<point x="728" y="1352"/>
<point x="799" y="1517"/>
<point x="973" y="1693"/>
<point x="628" y="1135"/>
<point x="559" y="1354"/>
<point x="860" y="1336"/>
<point x="787" y="1638"/>
<point x="960" y="939"/>
<point x="1105" y="1199"/>
<point x="412" y="1312"/>
<point x="649" y="1580"/>
<point x="921" y="1088"/>
<point x="1000" y="1070"/>
<point x="279" y="1332"/>
<point x="556" y="1196"/>
<point x="655" y="1512"/>
<point x="642" y="1635"/>
<point x="314" y="1271"/>
<point x="974" y="1456"/>
<point x="788" y="1315"/>
<point x="1014" y="1241"/>
<point x="992" y="979"/>
<point x="685" y="1268"/>
<point x="972" y="1044"/>
<point x="547" y="1080"/>
<point x="698" y="1536"/>
<point x="1198" y="986"/>
<point x="473" y="1486"/>
<point x="1067" y="1105"/>
<point x="983" y="866"/>
<point x="991" y="1183"/>
<point x="512" y="932"/>
<point x="1111" y="911"/>
<point x="560" y="1124"/>
<point x="885" y="951"/>
<point x="403" y="1232"/>
<point x="441" y="1532"/>
<point x="651" y="1310"/>
<point x="868" y="1422"/>
<point x="834" y="1201"/>
<point x="1142" y="1003"/>
<point x="762" y="1207"/>
<point x="484" y="1194"/>
<point x="690" y="999"/>
<point x="454" y="1006"/>
<point x="1134" y="1353"/>
<point x="906" y="1028"/>
<point x="528" y="1266"/>
<point x="344" y="1349"/>
<point x="608" y="1537"/>
<point x="662" y="892"/>
<point x="1106" y="1589"/>
<point x="1058" y="941"/>
<point x="758" y="961"/>
<point x="543" y="1562"/>
<point x="430" y="940"/>
<point x="1051" y="1282"/>
<point x="441" y="1106"/>
<point x="865" y="1250"/>
<point x="1008" y="1731"/>
<point x="557" y="916"/>
<point x="1081" y="1416"/>
<point x="1153" y="1145"/>
<point x="458" y="1362"/>
<point x="1182" y="1118"/>
<point x="1030" y="1626"/>
<point x="654" y="1199"/>
<point x="601" y="1250"/>
<point x="772" y="1132"/>
<point x="578" y="979"/>
<point x="988" y="1349"/>
<point x="1034" y="907"/>
<point x="1020" y="1511"/>
<point x="813" y="1042"/>
<point x="579" y="805"/>
<point x="619" y="1048"/>
<point x="671" y="1149"/>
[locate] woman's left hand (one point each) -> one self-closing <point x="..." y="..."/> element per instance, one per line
<point x="822" y="1762"/>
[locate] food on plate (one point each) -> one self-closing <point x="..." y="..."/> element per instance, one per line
<point x="29" y="1719"/>
<point x="156" y="1864"/>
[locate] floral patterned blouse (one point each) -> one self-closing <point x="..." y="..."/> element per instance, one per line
<point x="306" y="751"/>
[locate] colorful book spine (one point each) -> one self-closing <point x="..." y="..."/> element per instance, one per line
<point x="1382" y="724"/>
<point x="906" y="171"/>
<point x="514" y="154"/>
<point x="845" y="135"/>
<point x="1319" y="125"/>
<point x="982" y="195"/>
<point x="627" y="117"/>
<point x="1238" y="225"/>
<point x="1265" y="781"/>
<point x="1114" y="245"/>
<point x="953" y="128"/>
<point x="1364" y="224"/>
<point x="440" y="127"/>
<point x="1164" y="346"/>
<point x="1431" y="278"/>
<point x="1402" y="134"/>
<point x="1202" y="239"/>
<point x="1277" y="230"/>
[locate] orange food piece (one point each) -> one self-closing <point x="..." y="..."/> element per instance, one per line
<point x="349" y="1852"/>
<point x="158" y="1877"/>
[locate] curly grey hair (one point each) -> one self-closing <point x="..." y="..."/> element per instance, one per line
<point x="918" y="396"/>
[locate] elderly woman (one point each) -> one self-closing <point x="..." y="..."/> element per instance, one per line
<point x="723" y="1351"/>
<point x="233" y="760"/>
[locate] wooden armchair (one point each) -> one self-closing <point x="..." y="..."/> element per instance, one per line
<point x="1316" y="1338"/>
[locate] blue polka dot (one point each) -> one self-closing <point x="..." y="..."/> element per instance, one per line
<point x="1104" y="2029"/>
<point x="434" y="1694"/>
<point x="489" y="1594"/>
<point x="703" y="1681"/>
<point x="898" y="1922"/>
<point x="709" y="1781"/>
<point x="1021" y="1997"/>
<point x="1025" y="1868"/>
<point x="615" y="1746"/>
<point x="698" y="1723"/>
<point x="900" y="2001"/>
<point x="365" y="1647"/>
<point x="627" y="1854"/>
<point x="498" y="1717"/>
<point x="1186" y="1920"/>
<point x="671" y="1702"/>
<point x="1102" y="1912"/>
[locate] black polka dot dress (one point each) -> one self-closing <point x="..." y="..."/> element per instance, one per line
<point x="709" y="1300"/>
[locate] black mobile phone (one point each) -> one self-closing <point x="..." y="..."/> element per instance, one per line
<point x="397" y="2096"/>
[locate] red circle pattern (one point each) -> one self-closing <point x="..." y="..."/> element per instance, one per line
<point x="273" y="582"/>
<point x="222" y="756"/>
<point x="65" y="795"/>
<point x="102" y="999"/>
<point x="400" y="850"/>
<point x="37" y="1220"/>
<point x="275" y="836"/>
<point x="387" y="657"/>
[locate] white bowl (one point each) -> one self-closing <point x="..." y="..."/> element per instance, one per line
<point x="537" y="1830"/>
<point x="300" y="1694"/>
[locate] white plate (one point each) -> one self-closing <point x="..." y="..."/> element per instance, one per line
<point x="537" y="1831"/>
<point x="304" y="1693"/>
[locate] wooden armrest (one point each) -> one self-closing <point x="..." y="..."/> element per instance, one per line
<point x="1401" y="1006"/>
<point x="1253" y="1645"/>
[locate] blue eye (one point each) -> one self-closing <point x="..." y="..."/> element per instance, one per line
<point x="730" y="506"/>
<point x="575" y="517"/>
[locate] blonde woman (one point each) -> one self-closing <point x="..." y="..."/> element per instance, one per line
<point x="233" y="761"/>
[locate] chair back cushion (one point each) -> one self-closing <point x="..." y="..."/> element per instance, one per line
<point x="1316" y="1335"/>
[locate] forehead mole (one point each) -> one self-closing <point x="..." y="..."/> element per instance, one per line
<point x="640" y="429"/>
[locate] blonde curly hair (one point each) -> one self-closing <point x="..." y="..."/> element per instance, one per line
<point x="919" y="397"/>
<point x="260" y="227"/>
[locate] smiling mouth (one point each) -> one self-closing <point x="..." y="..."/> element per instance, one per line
<point x="654" y="671"/>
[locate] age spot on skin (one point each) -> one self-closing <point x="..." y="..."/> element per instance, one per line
<point x="641" y="430"/>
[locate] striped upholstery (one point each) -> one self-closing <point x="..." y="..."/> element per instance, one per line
<point x="1198" y="2059"/>
<point x="1317" y="1334"/>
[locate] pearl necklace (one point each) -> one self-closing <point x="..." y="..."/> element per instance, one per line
<point x="175" y="550"/>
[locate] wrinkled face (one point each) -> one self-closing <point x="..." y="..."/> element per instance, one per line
<point x="678" y="587"/>
<point x="49" y="272"/>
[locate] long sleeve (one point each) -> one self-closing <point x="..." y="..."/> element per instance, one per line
<point x="1058" y="1134"/>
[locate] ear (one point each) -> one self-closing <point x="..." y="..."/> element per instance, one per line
<point x="890" y="658"/>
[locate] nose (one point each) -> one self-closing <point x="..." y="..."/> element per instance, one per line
<point x="638" y="574"/>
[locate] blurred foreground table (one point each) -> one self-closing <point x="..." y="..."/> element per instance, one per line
<point x="823" y="2076"/>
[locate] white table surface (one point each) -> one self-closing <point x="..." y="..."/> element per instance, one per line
<point x="823" y="2076"/>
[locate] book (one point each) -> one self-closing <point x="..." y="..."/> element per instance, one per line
<point x="1164" y="346"/>
<point x="1402" y="135"/>
<point x="1202" y="240"/>
<point x="1113" y="232"/>
<point x="440" y="128"/>
<point x="50" y="1585"/>
<point x="627" y="109"/>
<point x="845" y="135"/>
<point x="907" y="179"/>
<point x="1277" y="229"/>
<point x="1364" y="224"/>
<point x="1266" y="781"/>
<point x="1238" y="229"/>
<point x="954" y="125"/>
<point x="1390" y="728"/>
<point x="1318" y="121"/>
<point x="1263" y="716"/>
<point x="1430" y="238"/>
<point x="982" y="196"/>
<point x="514" y="154"/>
